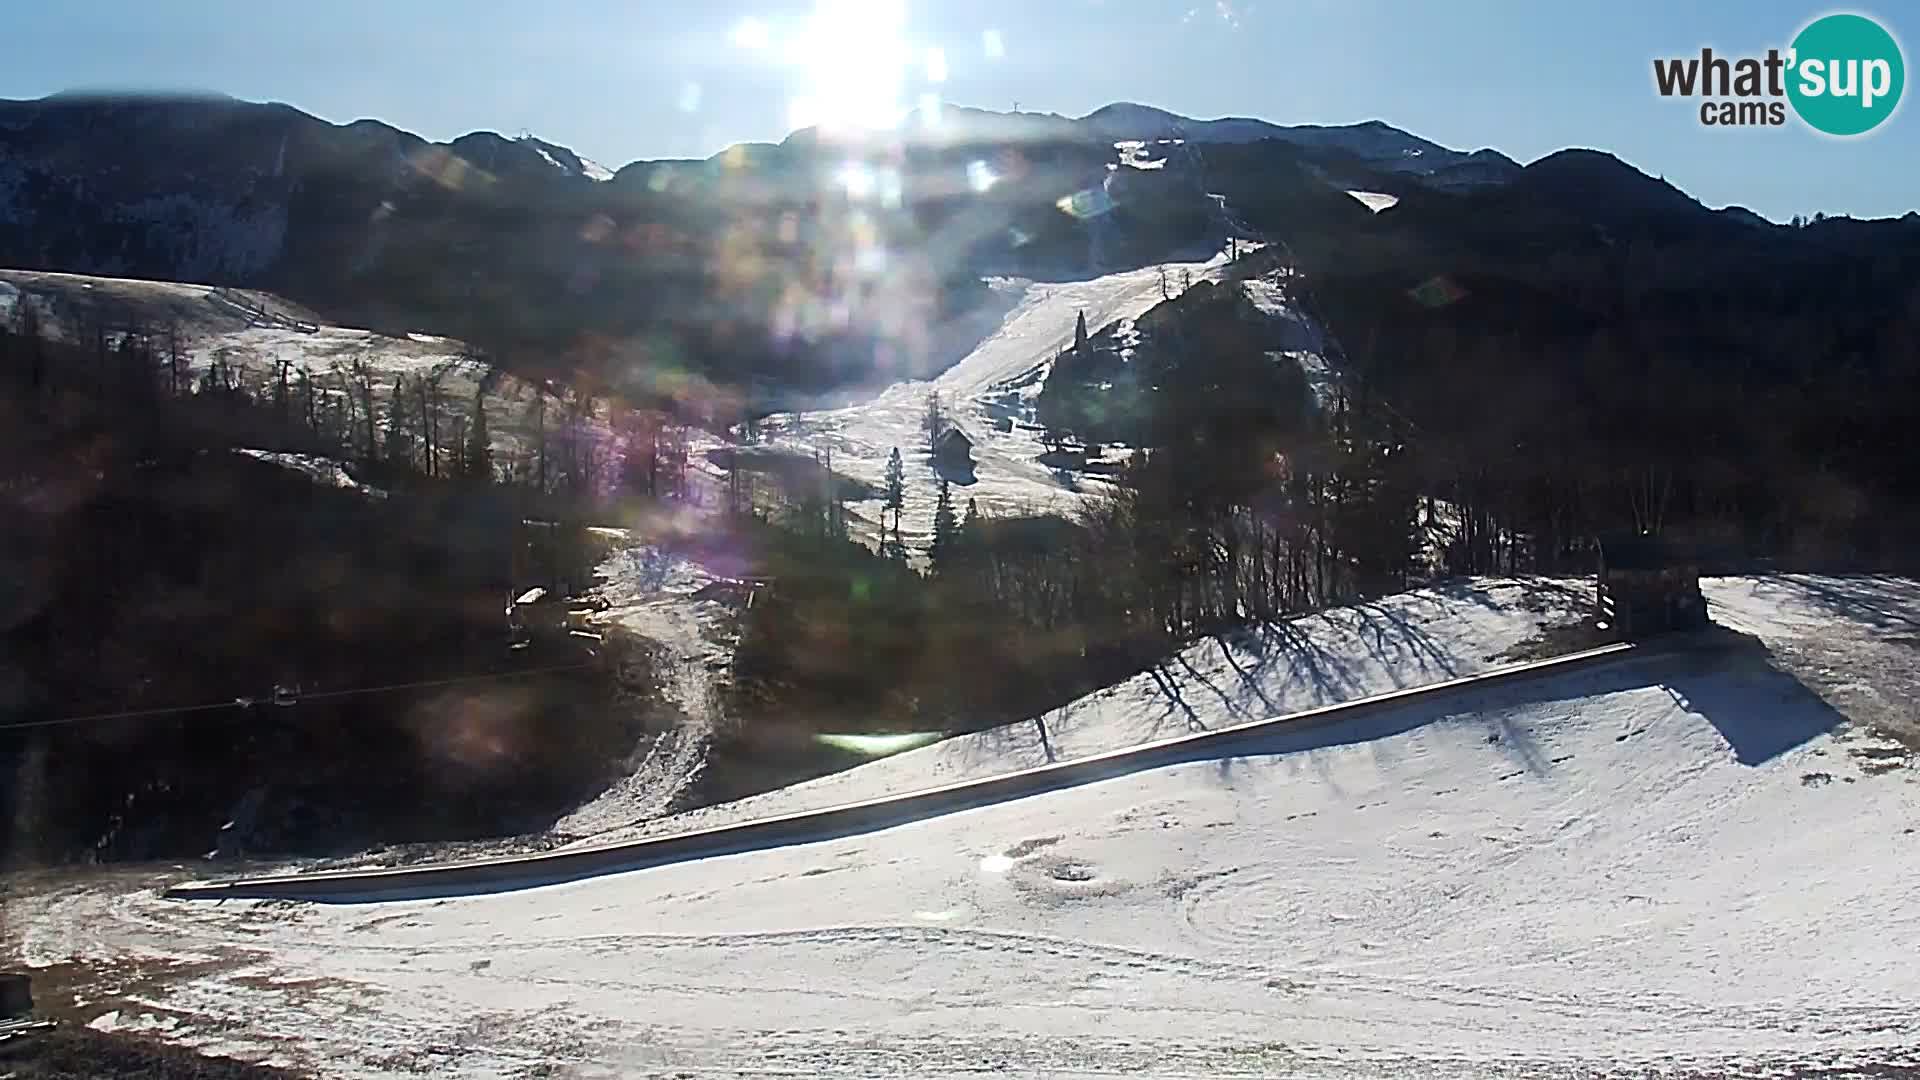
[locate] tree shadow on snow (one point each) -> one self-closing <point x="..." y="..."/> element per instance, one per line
<point x="1394" y="639"/>
<point x="1885" y="603"/>
<point x="1250" y="655"/>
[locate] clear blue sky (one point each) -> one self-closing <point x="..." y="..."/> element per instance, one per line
<point x="619" y="80"/>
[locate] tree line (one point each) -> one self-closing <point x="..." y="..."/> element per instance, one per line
<point x="154" y="568"/>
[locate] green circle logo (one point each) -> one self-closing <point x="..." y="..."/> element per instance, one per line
<point x="1847" y="74"/>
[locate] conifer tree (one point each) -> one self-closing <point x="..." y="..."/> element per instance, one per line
<point x="944" y="527"/>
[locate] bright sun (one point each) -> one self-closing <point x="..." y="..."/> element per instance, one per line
<point x="850" y="61"/>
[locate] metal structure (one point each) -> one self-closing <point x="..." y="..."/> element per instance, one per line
<point x="1648" y="586"/>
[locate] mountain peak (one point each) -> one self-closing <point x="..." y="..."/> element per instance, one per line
<point x="1594" y="180"/>
<point x="1128" y="110"/>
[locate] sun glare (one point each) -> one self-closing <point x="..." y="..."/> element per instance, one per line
<point x="850" y="61"/>
<point x="857" y="179"/>
<point x="752" y="33"/>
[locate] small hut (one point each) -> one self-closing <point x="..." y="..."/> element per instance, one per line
<point x="1648" y="586"/>
<point x="953" y="449"/>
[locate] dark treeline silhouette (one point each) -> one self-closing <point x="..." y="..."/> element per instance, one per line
<point x="1588" y="351"/>
<point x="152" y="566"/>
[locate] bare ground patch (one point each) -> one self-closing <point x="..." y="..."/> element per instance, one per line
<point x="74" y="1052"/>
<point x="1554" y="639"/>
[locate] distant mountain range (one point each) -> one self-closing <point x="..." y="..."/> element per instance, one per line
<point x="523" y="244"/>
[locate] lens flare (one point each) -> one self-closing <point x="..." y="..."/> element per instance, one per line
<point x="1086" y="204"/>
<point x="857" y="180"/>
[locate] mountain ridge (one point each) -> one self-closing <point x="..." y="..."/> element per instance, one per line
<point x="520" y="243"/>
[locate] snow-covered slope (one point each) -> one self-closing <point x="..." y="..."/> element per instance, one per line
<point x="1013" y="357"/>
<point x="1411" y="639"/>
<point x="1666" y="866"/>
<point x="252" y="330"/>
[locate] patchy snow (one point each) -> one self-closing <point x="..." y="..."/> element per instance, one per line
<point x="593" y="170"/>
<point x="664" y="597"/>
<point x="323" y="470"/>
<point x="1667" y="864"/>
<point x="1138" y="154"/>
<point x="209" y="238"/>
<point x="1375" y="201"/>
<point x="1268" y="295"/>
<point x="1375" y="142"/>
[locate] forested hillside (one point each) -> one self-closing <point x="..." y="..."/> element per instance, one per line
<point x="221" y="605"/>
<point x="1587" y="350"/>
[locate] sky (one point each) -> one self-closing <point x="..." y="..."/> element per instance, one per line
<point x="622" y="80"/>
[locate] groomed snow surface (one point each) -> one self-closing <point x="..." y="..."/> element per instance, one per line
<point x="1670" y="865"/>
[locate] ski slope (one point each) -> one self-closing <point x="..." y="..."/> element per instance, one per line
<point x="1670" y="866"/>
<point x="1007" y="477"/>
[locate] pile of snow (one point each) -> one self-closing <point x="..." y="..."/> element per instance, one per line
<point x="1662" y="865"/>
